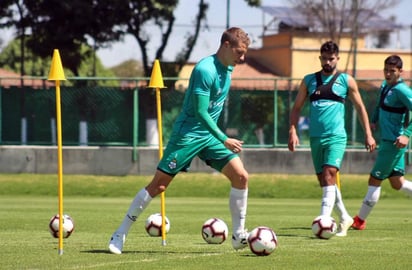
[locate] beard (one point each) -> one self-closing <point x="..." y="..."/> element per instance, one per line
<point x="328" y="68"/>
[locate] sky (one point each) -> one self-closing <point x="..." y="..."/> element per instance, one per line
<point x="241" y="15"/>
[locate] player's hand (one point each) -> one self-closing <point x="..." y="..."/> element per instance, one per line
<point x="293" y="141"/>
<point x="401" y="142"/>
<point x="234" y="145"/>
<point x="370" y="144"/>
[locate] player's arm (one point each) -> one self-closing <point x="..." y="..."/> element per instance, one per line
<point x="403" y="140"/>
<point x="405" y="96"/>
<point x="201" y="105"/>
<point x="375" y="116"/>
<point x="355" y="97"/>
<point x="295" y="114"/>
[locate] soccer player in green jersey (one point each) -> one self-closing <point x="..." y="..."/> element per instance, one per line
<point x="327" y="91"/>
<point x="392" y="115"/>
<point x="195" y="133"/>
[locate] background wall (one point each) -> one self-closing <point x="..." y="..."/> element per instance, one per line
<point x="119" y="160"/>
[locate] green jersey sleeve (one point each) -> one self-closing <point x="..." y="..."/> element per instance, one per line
<point x="201" y="105"/>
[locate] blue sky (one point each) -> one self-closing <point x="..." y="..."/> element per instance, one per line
<point x="240" y="15"/>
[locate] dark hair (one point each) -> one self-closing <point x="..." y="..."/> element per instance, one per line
<point x="394" y="60"/>
<point x="329" y="47"/>
<point x="235" y="36"/>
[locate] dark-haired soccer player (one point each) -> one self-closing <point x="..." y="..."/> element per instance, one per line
<point x="327" y="91"/>
<point x="392" y="115"/>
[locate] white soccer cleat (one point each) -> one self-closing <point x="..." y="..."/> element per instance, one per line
<point x="116" y="243"/>
<point x="239" y="240"/>
<point x="344" y="226"/>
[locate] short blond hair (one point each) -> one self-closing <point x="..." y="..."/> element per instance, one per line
<point x="235" y="36"/>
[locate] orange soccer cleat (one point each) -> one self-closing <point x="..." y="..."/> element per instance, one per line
<point x="358" y="223"/>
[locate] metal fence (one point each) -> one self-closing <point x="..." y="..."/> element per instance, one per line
<point x="125" y="114"/>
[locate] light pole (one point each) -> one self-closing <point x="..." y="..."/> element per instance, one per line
<point x="227" y="14"/>
<point x="226" y="113"/>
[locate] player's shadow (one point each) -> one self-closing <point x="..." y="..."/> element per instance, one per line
<point x="100" y="251"/>
<point x="95" y="251"/>
<point x="280" y="234"/>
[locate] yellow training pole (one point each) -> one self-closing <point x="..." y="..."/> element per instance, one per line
<point x="59" y="165"/>
<point x="162" y="195"/>
<point x="156" y="81"/>
<point x="57" y="74"/>
<point x="338" y="180"/>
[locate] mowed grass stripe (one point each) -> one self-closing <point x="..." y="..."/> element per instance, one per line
<point x="287" y="203"/>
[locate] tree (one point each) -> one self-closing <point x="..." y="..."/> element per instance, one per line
<point x="142" y="12"/>
<point x="129" y="68"/>
<point x="68" y="25"/>
<point x="49" y="24"/>
<point x="5" y="17"/>
<point x="191" y="39"/>
<point x="338" y="17"/>
<point x="37" y="66"/>
<point x="160" y="12"/>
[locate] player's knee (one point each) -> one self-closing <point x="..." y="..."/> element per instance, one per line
<point x="244" y="178"/>
<point x="161" y="188"/>
<point x="329" y="177"/>
<point x="155" y="190"/>
<point x="396" y="182"/>
<point x="240" y="180"/>
<point x="397" y="185"/>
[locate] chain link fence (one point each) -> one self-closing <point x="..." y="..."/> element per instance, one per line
<point x="125" y="114"/>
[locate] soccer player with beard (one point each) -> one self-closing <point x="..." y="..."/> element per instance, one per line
<point x="327" y="91"/>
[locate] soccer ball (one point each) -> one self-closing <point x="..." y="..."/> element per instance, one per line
<point x="214" y="231"/>
<point x="262" y="241"/>
<point x="324" y="227"/>
<point x="153" y="225"/>
<point x="68" y="226"/>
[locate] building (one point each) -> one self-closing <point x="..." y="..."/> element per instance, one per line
<point x="290" y="49"/>
<point x="9" y="79"/>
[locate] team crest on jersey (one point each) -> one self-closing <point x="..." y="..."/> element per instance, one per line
<point x="172" y="164"/>
<point x="338" y="161"/>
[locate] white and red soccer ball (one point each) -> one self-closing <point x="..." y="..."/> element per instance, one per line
<point x="324" y="227"/>
<point x="214" y="231"/>
<point x="153" y="225"/>
<point x="262" y="241"/>
<point x="68" y="226"/>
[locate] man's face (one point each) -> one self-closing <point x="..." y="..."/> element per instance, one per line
<point x="392" y="74"/>
<point x="328" y="62"/>
<point x="236" y="54"/>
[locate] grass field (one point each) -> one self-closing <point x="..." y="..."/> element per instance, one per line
<point x="287" y="203"/>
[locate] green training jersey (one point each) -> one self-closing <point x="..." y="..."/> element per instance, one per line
<point x="327" y="117"/>
<point x="391" y="124"/>
<point x="210" y="79"/>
